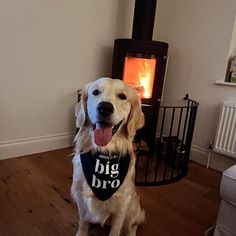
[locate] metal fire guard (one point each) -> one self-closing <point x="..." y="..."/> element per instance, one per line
<point x="168" y="161"/>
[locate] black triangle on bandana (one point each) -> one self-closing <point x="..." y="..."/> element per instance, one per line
<point x="104" y="173"/>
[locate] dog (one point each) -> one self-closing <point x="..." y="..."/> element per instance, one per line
<point x="107" y="116"/>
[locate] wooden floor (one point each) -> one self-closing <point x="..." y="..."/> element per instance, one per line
<point x="35" y="199"/>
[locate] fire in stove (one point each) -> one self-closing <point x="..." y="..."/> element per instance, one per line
<point x="140" y="73"/>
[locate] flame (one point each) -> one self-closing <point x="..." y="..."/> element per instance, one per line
<point x="144" y="77"/>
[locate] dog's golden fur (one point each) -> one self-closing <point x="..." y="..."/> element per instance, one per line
<point x="122" y="209"/>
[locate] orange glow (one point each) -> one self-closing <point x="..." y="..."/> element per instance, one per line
<point x="139" y="73"/>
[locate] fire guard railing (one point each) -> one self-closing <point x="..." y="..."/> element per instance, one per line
<point x="168" y="161"/>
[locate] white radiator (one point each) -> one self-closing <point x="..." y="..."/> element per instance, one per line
<point x="225" y="142"/>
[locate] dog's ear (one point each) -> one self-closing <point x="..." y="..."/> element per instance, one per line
<point x="136" y="116"/>
<point x="81" y="107"/>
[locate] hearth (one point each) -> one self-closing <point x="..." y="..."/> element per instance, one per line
<point x="141" y="62"/>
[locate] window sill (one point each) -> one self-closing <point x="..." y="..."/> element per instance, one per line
<point x="220" y="82"/>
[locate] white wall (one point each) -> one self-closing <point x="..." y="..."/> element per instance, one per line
<point x="199" y="34"/>
<point x="49" y="49"/>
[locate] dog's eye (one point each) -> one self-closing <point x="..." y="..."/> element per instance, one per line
<point x="122" y="96"/>
<point x="96" y="92"/>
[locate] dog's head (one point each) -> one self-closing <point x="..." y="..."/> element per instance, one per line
<point x="107" y="106"/>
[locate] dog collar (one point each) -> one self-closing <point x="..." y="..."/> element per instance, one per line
<point x="104" y="172"/>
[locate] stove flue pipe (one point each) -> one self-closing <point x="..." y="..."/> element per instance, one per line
<point x="143" y="21"/>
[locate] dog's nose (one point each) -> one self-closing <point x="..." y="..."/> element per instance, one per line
<point x="105" y="109"/>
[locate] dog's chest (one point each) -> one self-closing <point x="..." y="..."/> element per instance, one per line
<point x="104" y="173"/>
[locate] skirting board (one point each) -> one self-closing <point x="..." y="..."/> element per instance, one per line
<point x="217" y="161"/>
<point x="21" y="147"/>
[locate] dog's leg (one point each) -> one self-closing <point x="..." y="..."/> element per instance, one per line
<point x="117" y="223"/>
<point x="131" y="231"/>
<point x="83" y="228"/>
<point x="83" y="224"/>
<point x="135" y="217"/>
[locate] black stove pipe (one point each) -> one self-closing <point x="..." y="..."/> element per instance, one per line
<point x="143" y="21"/>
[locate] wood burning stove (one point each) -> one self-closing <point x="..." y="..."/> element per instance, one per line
<point x="141" y="62"/>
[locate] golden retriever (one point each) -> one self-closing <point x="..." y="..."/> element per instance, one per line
<point x="108" y="116"/>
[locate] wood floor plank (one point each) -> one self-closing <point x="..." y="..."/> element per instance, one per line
<point x="35" y="199"/>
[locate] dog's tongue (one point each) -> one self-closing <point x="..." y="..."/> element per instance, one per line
<point x="102" y="134"/>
